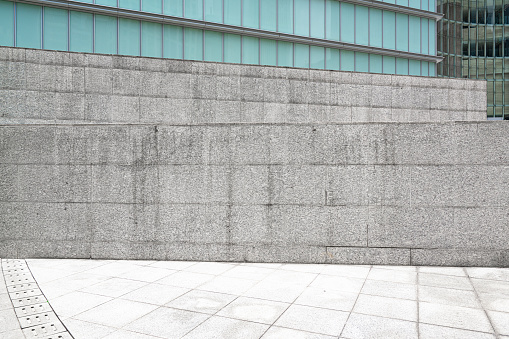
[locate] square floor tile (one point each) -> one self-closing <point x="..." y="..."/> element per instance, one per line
<point x="167" y="322"/>
<point x="123" y="334"/>
<point x="270" y="290"/>
<point x="445" y="281"/>
<point x="114" y="287"/>
<point x="202" y="301"/>
<point x="173" y="265"/>
<point x="312" y="319"/>
<point x="75" y="281"/>
<point x="360" y="326"/>
<point x="13" y="334"/>
<point x="148" y="274"/>
<point x="248" y="272"/>
<point x="5" y="301"/>
<point x="287" y="333"/>
<point x="309" y="268"/>
<point x="256" y="310"/>
<point x="327" y="298"/>
<point x="386" y="307"/>
<point x="290" y="277"/>
<point x="8" y="321"/>
<point x="116" y="313"/>
<point x="501" y="321"/>
<point x="489" y="273"/>
<point x="448" y="296"/>
<point x="427" y="331"/>
<point x="85" y="330"/>
<point x="210" y="267"/>
<point x="454" y="316"/>
<point x="42" y="275"/>
<point x="76" y="302"/>
<point x="157" y="294"/>
<point x="390" y="289"/>
<point x="491" y="286"/>
<point x="454" y="271"/>
<point x="112" y="269"/>
<point x="350" y="271"/>
<point x="227" y="285"/>
<point x="495" y="302"/>
<point x="331" y="282"/>
<point x="399" y="276"/>
<point x="186" y="279"/>
<point x="226" y="328"/>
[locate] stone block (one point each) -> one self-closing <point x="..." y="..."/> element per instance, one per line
<point x="13" y="75"/>
<point x="297" y="74"/>
<point x="250" y="185"/>
<point x="113" y="108"/>
<point x="319" y="113"/>
<point x="303" y="185"/>
<point x="98" y="80"/>
<point x="252" y="89"/>
<point x="299" y="92"/>
<point x="12" y="54"/>
<point x="481" y="186"/>
<point x="250" y="225"/>
<point x="13" y="104"/>
<point x="8" y="182"/>
<point x="362" y="114"/>
<point x="8" y="248"/>
<point x="27" y="144"/>
<point x="113" y="184"/>
<point x="381" y="114"/>
<point x="228" y="112"/>
<point x="176" y="85"/>
<point x="433" y="185"/>
<point x="181" y="145"/>
<point x="479" y="228"/>
<point x="297" y="113"/>
<point x="319" y="93"/>
<point x="276" y="90"/>
<point x="249" y="144"/>
<point x="110" y="145"/>
<point x="164" y="110"/>
<point x="476" y="101"/>
<point x="124" y="250"/>
<point x="368" y="256"/>
<point x="152" y="64"/>
<point x="204" y="87"/>
<point x="54" y="249"/>
<point x="275" y="112"/>
<point x="252" y="112"/>
<point x="111" y="222"/>
<point x="340" y="114"/>
<point x="439" y="98"/>
<point x="341" y="94"/>
<point x="217" y="147"/>
<point x="62" y="106"/>
<point x="352" y="185"/>
<point x="130" y="63"/>
<point x="228" y="88"/>
<point x="457" y="100"/>
<point x="178" y="66"/>
<point x="72" y="145"/>
<point x="360" y="95"/>
<point x="482" y="143"/>
<point x="126" y="82"/>
<point x="381" y="96"/>
<point x="99" y="61"/>
<point x="418" y="115"/>
<point x="289" y="254"/>
<point x="147" y="222"/>
<point x="460" y="257"/>
<point x="410" y="97"/>
<point x="349" y="225"/>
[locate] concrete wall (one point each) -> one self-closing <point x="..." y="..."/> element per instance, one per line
<point x="210" y="189"/>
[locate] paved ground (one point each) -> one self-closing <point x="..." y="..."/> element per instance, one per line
<point x="167" y="299"/>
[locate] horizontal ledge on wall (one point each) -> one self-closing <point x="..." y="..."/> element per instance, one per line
<point x="218" y="27"/>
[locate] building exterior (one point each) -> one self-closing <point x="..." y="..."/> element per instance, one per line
<point x="473" y="41"/>
<point x="392" y="37"/>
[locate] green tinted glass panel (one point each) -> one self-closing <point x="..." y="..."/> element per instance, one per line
<point x="361" y="25"/>
<point x="232" y="50"/>
<point x="285" y="16"/>
<point x="250" y="12"/>
<point x="414" y="67"/>
<point x="28" y="26"/>
<point x="268" y="12"/>
<point x="55" y="29"/>
<point x="173" y="7"/>
<point x="431" y="69"/>
<point x="316" y="57"/>
<point x="128" y="37"/>
<point x="111" y="3"/>
<point x="214" y="10"/>
<point x="151" y="39"/>
<point x="375" y="27"/>
<point x="414" y="28"/>
<point x="152" y="6"/>
<point x="250" y="50"/>
<point x="213" y="46"/>
<point x="375" y="63"/>
<point x="105" y="34"/>
<point x="401" y="32"/>
<point x="431" y="7"/>
<point x="347" y="61"/>
<point x="347" y="21"/>
<point x="424" y="68"/>
<point x="431" y="35"/>
<point x="361" y="62"/>
<point x="268" y="52"/>
<point x="389" y="64"/>
<point x="424" y="4"/>
<point x="332" y="20"/>
<point x="232" y="12"/>
<point x="173" y="42"/>
<point x="301" y="56"/>
<point x="424" y="36"/>
<point x="301" y="17"/>
<point x="317" y="14"/>
<point x="193" y="44"/>
<point x="285" y="54"/>
<point x="193" y="9"/>
<point x="130" y="4"/>
<point x="389" y="30"/>
<point x="402" y="3"/>
<point x="414" y="3"/>
<point x="390" y="1"/>
<point x="332" y="58"/>
<point x="402" y="66"/>
<point x="81" y="32"/>
<point x="6" y="23"/>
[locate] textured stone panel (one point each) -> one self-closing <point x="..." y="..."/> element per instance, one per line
<point x="460" y="257"/>
<point x="368" y="256"/>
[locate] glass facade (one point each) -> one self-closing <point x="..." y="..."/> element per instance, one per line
<point x="34" y="26"/>
<point x="472" y="38"/>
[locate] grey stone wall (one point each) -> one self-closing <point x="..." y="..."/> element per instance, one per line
<point x="39" y="86"/>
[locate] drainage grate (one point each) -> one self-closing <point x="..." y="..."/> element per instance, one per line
<point x="35" y="315"/>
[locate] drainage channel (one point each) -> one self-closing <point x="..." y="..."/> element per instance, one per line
<point x="35" y="315"/>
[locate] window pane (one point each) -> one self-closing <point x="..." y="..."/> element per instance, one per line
<point x="375" y="27"/>
<point x="415" y="34"/>
<point x="361" y="25"/>
<point x="128" y="37"/>
<point x="250" y="50"/>
<point x="105" y="34"/>
<point x="152" y="6"/>
<point x="28" y="26"/>
<point x="317" y="57"/>
<point x="424" y="5"/>
<point x="130" y="4"/>
<point x="214" y="10"/>
<point x="332" y="58"/>
<point x="285" y="16"/>
<point x="424" y="68"/>
<point x="431" y="5"/>
<point x="285" y="54"/>
<point x="173" y="7"/>
<point x="347" y="61"/>
<point x="173" y="42"/>
<point x="375" y="63"/>
<point x="414" y="3"/>
<point x="268" y="51"/>
<point x="318" y="15"/>
<point x="213" y="46"/>
<point x="193" y="9"/>
<point x="7" y="23"/>
<point x="250" y="13"/>
<point x="431" y="36"/>
<point x="414" y="67"/>
<point x="151" y="39"/>
<point x="193" y="44"/>
<point x="332" y="20"/>
<point x="55" y="28"/>
<point x="389" y="64"/>
<point x="347" y="22"/>
<point x="401" y="32"/>
<point x="232" y="12"/>
<point x="232" y="48"/>
<point x="401" y="66"/>
<point x="302" y="17"/>
<point x="301" y="56"/>
<point x="389" y="30"/>
<point x="432" y="69"/>
<point x="111" y="3"/>
<point x="402" y="3"/>
<point x="361" y="62"/>
<point x="424" y="36"/>
<point x="81" y="32"/>
<point x="268" y="15"/>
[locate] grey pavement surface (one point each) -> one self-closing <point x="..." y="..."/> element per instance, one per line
<point x="173" y="299"/>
